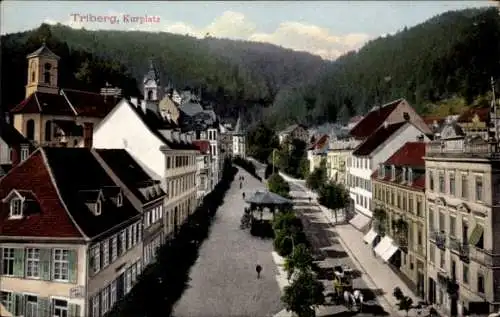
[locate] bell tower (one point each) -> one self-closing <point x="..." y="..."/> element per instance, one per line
<point x="42" y="71"/>
<point x="152" y="88"/>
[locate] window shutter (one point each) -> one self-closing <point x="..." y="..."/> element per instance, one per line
<point x="19" y="299"/>
<point x="19" y="262"/>
<point x="45" y="257"/>
<point x="73" y="263"/>
<point x="74" y="310"/>
<point x="43" y="307"/>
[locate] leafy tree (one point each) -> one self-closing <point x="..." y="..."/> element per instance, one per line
<point x="278" y="185"/>
<point x="333" y="196"/>
<point x="318" y="177"/>
<point x="404" y="302"/>
<point x="304" y="168"/>
<point x="287" y="221"/>
<point x="300" y="259"/>
<point x="380" y="220"/>
<point x="261" y="142"/>
<point x="303" y="295"/>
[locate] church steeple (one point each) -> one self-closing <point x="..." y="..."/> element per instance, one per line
<point x="152" y="89"/>
<point x="494" y="116"/>
<point x="42" y="71"/>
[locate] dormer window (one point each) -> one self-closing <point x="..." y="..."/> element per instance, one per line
<point x="97" y="208"/>
<point x="393" y="172"/>
<point x="410" y="176"/>
<point x="403" y="175"/>
<point x="381" y="171"/>
<point x="119" y="200"/>
<point x="16" y="208"/>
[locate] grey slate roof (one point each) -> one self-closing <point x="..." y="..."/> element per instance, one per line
<point x="268" y="198"/>
<point x="191" y="108"/>
<point x="152" y="73"/>
<point x="43" y="51"/>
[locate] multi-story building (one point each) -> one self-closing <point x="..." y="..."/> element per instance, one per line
<point x="14" y="147"/>
<point x="463" y="204"/>
<point x="144" y="193"/>
<point x="317" y="152"/>
<point x="239" y="140"/>
<point x="71" y="242"/>
<point x="204" y="180"/>
<point x="398" y="232"/>
<point x="365" y="159"/>
<point x="339" y="153"/>
<point x="295" y="131"/>
<point x="226" y="141"/>
<point x="53" y="116"/>
<point x="160" y="148"/>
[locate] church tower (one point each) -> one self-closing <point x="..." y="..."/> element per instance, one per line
<point x="152" y="90"/>
<point x="42" y="71"/>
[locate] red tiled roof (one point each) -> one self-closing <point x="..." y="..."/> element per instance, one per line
<point x="373" y="120"/>
<point x="202" y="145"/>
<point x="81" y="103"/>
<point x="378" y="137"/>
<point x="469" y="114"/>
<point x="50" y="219"/>
<point x="320" y="143"/>
<point x="90" y="104"/>
<point x="410" y="154"/>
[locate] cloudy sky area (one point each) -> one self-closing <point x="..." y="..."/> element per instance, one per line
<point x="325" y="28"/>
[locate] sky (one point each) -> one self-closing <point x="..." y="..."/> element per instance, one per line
<point x="324" y="28"/>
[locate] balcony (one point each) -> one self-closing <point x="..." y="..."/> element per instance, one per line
<point x="439" y="239"/>
<point x="462" y="249"/>
<point x="440" y="148"/>
<point x="483" y="257"/>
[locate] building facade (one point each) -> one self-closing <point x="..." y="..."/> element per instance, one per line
<point x="295" y="131"/>
<point x="53" y="116"/>
<point x="398" y="234"/>
<point x="204" y="180"/>
<point x="338" y="157"/>
<point x="71" y="246"/>
<point x="463" y="201"/>
<point x="14" y="147"/>
<point x="239" y="140"/>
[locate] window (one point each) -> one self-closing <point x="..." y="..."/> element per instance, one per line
<point x="453" y="221"/>
<point x="479" y="188"/>
<point x="419" y="236"/>
<point x="61" y="265"/>
<point x="432" y="253"/>
<point x="31" y="306"/>
<point x="431" y="220"/>
<point x="114" y="248"/>
<point x="128" y="281"/>
<point x="94" y="304"/>
<point x="119" y="200"/>
<point x="48" y="130"/>
<point x="105" y="300"/>
<point x="465" y="273"/>
<point x="16" y="210"/>
<point x="123" y="242"/>
<point x="105" y="253"/>
<point x="431" y="180"/>
<point x="32" y="263"/>
<point x="134" y="234"/>
<point x="465" y="186"/>
<point x="442" y="223"/>
<point x="480" y="283"/>
<point x="112" y="293"/>
<point x="452" y="184"/>
<point x="30" y="129"/>
<point x="46" y="77"/>
<point x="8" y="261"/>
<point x="7" y="300"/>
<point x="441" y="182"/>
<point x="442" y="262"/>
<point x="98" y="208"/>
<point x="60" y="308"/>
<point x="419" y="207"/>
<point x="129" y="237"/>
<point x="25" y="152"/>
<point x="95" y="258"/>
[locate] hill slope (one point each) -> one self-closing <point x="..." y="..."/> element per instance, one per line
<point x="450" y="55"/>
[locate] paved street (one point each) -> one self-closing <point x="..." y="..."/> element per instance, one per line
<point x="223" y="280"/>
<point x="323" y="237"/>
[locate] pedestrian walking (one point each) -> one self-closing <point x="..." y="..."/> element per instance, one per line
<point x="241" y="185"/>
<point x="243" y="195"/>
<point x="258" y="269"/>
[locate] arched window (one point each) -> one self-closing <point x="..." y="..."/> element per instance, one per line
<point x="48" y="130"/>
<point x="46" y="77"/>
<point x="30" y="129"/>
<point x="150" y="95"/>
<point x="33" y="76"/>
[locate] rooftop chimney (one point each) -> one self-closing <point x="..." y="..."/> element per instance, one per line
<point x="134" y="101"/>
<point x="143" y="105"/>
<point x="386" y="124"/>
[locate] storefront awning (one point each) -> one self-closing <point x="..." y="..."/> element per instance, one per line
<point x="370" y="236"/>
<point x="389" y="252"/>
<point x="4" y="311"/>
<point x="476" y="234"/>
<point x="383" y="246"/>
<point x="360" y="221"/>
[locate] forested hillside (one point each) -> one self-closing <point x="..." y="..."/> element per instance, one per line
<point x="450" y="56"/>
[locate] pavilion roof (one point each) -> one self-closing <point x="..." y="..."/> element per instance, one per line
<point x="261" y="197"/>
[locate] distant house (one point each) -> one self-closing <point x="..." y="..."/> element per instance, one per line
<point x="53" y="116"/>
<point x="204" y="180"/>
<point x="474" y="121"/>
<point x="239" y="140"/>
<point x="71" y="242"/>
<point x="14" y="147"/>
<point x="295" y="131"/>
<point x="318" y="151"/>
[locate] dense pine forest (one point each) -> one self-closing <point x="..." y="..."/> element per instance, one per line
<point x="447" y="59"/>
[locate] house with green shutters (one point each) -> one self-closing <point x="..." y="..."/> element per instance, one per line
<point x="70" y="240"/>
